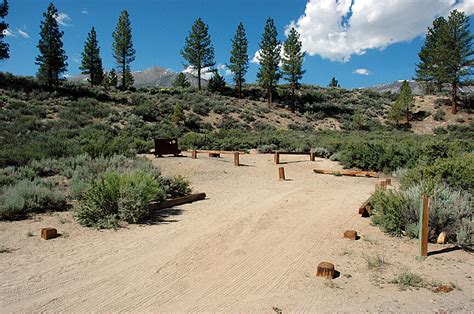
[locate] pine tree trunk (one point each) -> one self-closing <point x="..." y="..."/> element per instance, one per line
<point x="269" y="91"/>
<point x="454" y="97"/>
<point x="293" y="97"/>
<point x="123" y="75"/>
<point x="239" y="86"/>
<point x="199" y="78"/>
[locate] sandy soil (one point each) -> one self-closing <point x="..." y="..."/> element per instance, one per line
<point x="252" y="246"/>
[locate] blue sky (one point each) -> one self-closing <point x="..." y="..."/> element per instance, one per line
<point x="360" y="42"/>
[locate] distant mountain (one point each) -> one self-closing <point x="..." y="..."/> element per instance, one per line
<point x="395" y="87"/>
<point x="154" y="76"/>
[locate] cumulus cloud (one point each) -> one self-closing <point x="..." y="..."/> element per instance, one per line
<point x="23" y="33"/>
<point x="8" y="33"/>
<point x="224" y="70"/>
<point x="338" y="29"/>
<point x="206" y="73"/>
<point x="84" y="11"/>
<point x="63" y="19"/>
<point x="361" y="72"/>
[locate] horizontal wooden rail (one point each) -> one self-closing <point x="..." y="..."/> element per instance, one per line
<point x="177" y="201"/>
<point x="348" y="172"/>
<point x="276" y="157"/>
<point x="217" y="153"/>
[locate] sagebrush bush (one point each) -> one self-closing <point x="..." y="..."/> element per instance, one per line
<point x="117" y="196"/>
<point x="25" y="197"/>
<point x="175" y="186"/>
<point x="451" y="211"/>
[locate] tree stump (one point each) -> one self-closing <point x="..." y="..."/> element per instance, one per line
<point x="325" y="270"/>
<point x="49" y="233"/>
<point x="350" y="234"/>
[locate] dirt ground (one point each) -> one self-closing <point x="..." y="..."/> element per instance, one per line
<point x="252" y="246"/>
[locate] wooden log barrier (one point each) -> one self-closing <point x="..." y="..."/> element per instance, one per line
<point x="365" y="208"/>
<point x="423" y="227"/>
<point x="352" y="173"/>
<point x="177" y="201"/>
<point x="281" y="173"/>
<point x="49" y="233"/>
<point x="325" y="270"/>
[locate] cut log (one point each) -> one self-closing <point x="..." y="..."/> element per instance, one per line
<point x="325" y="270"/>
<point x="442" y="238"/>
<point x="365" y="208"/>
<point x="177" y="201"/>
<point x="347" y="172"/>
<point x="350" y="234"/>
<point x="49" y="233"/>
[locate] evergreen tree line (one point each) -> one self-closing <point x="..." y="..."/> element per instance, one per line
<point x="445" y="58"/>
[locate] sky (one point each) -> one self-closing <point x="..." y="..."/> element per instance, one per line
<point x="360" y="42"/>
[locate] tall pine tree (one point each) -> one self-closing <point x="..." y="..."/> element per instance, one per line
<point x="91" y="61"/>
<point x="268" y="73"/>
<point x="405" y="101"/>
<point x="198" y="50"/>
<point x="123" y="51"/>
<point x="446" y="56"/>
<point x="334" y="83"/>
<point x="52" y="58"/>
<point x="181" y="81"/>
<point x="4" y="48"/>
<point x="239" y="58"/>
<point x="458" y="51"/>
<point x="292" y="63"/>
<point x="429" y="70"/>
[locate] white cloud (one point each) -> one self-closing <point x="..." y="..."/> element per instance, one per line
<point x="224" y="70"/>
<point x="63" y="19"/>
<point x="8" y="33"/>
<point x="84" y="11"/>
<point x="256" y="57"/>
<point x="338" y="29"/>
<point x="76" y="58"/>
<point x="361" y="72"/>
<point x="206" y="73"/>
<point x="23" y="33"/>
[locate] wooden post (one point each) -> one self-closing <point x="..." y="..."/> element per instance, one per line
<point x="277" y="158"/>
<point x="236" y="159"/>
<point x="423" y="227"/>
<point x="383" y="184"/>
<point x="281" y="173"/>
<point x="325" y="270"/>
<point x="312" y="156"/>
<point x="193" y="154"/>
<point x="388" y="182"/>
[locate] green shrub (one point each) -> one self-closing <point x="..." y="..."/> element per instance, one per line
<point x="115" y="196"/>
<point x="439" y="115"/>
<point x="175" y="186"/>
<point x="388" y="209"/>
<point x="24" y="197"/>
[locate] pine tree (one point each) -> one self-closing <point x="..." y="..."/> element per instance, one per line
<point x="198" y="50"/>
<point x="292" y="63"/>
<point x="216" y="83"/>
<point x="178" y="116"/>
<point x="239" y="58"/>
<point x="405" y="101"/>
<point x="123" y="51"/>
<point x="431" y="56"/>
<point x="269" y="74"/>
<point x="91" y="61"/>
<point x="458" y="51"/>
<point x="334" y="83"/>
<point x="181" y="81"/>
<point x="396" y="113"/>
<point x="113" y="78"/>
<point x="52" y="58"/>
<point x="4" y="48"/>
<point x="446" y="56"/>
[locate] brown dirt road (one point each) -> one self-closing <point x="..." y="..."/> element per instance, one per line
<point x="252" y="246"/>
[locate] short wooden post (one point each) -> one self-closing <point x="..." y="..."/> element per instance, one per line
<point x="281" y="173"/>
<point x="312" y="156"/>
<point x="194" y="154"/>
<point x="383" y="184"/>
<point x="325" y="270"/>
<point x="236" y="159"/>
<point x="423" y="227"/>
<point x="49" y="233"/>
<point x="277" y="158"/>
<point x="350" y="234"/>
<point x="388" y="182"/>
